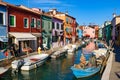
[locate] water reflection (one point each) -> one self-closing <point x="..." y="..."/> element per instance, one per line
<point x="53" y="69"/>
<point x="89" y="48"/>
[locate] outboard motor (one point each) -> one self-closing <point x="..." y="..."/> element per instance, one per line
<point x="20" y="64"/>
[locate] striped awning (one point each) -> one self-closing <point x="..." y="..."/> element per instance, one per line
<point x="23" y="36"/>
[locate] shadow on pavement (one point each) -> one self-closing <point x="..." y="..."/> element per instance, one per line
<point x="117" y="53"/>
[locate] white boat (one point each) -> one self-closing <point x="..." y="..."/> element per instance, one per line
<point x="70" y="48"/>
<point x="30" y="62"/>
<point x="3" y="70"/>
<point x="59" y="53"/>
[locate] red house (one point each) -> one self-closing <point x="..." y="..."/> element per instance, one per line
<point x="24" y="27"/>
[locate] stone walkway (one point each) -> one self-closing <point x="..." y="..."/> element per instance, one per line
<point x="115" y="71"/>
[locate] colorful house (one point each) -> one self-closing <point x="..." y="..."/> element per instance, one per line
<point x="100" y="35"/>
<point x="69" y="25"/>
<point x="88" y="32"/>
<point x="108" y="27"/>
<point x="57" y="32"/>
<point x="79" y="32"/>
<point x="116" y="29"/>
<point x="24" y="27"/>
<point x="46" y="31"/>
<point x="3" y="26"/>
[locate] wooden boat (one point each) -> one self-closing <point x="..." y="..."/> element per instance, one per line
<point x="3" y="70"/>
<point x="81" y="73"/>
<point x="30" y="62"/>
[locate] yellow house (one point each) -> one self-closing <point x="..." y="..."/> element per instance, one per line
<point x="69" y="24"/>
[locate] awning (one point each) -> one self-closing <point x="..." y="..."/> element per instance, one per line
<point x="23" y="36"/>
<point x="36" y="34"/>
<point x="3" y="39"/>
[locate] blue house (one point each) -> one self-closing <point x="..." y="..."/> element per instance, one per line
<point x="3" y="25"/>
<point x="80" y="32"/>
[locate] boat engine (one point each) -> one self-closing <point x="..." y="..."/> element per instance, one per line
<point x="19" y="65"/>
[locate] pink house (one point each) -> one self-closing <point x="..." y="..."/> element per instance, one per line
<point x="88" y="32"/>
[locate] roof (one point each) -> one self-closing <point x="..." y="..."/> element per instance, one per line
<point x="50" y="12"/>
<point x="22" y="8"/>
<point x="3" y="3"/>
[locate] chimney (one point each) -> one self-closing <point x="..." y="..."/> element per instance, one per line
<point x="114" y="15"/>
<point x="53" y="11"/>
<point x="66" y="12"/>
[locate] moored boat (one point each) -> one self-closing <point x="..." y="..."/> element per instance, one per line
<point x="3" y="70"/>
<point x="81" y="73"/>
<point x="30" y="62"/>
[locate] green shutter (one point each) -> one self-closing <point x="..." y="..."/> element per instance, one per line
<point x="25" y="22"/>
<point x="38" y="23"/>
<point x="12" y="20"/>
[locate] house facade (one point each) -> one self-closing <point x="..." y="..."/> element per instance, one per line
<point x="24" y="27"/>
<point x="79" y="32"/>
<point x="57" y="32"/>
<point x="108" y="28"/>
<point x="88" y="32"/>
<point x="46" y="31"/>
<point x="3" y="26"/>
<point x="116" y="29"/>
<point x="69" y="25"/>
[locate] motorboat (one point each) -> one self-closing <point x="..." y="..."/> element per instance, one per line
<point x="29" y="62"/>
<point x="3" y="70"/>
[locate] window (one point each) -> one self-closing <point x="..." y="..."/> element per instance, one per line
<point x="1" y="18"/>
<point x="53" y="25"/>
<point x="66" y="20"/>
<point x="33" y="23"/>
<point x="62" y="27"/>
<point x="49" y="25"/>
<point x="38" y="23"/>
<point x="42" y="24"/>
<point x="57" y="25"/>
<point x="25" y="22"/>
<point x="12" y="21"/>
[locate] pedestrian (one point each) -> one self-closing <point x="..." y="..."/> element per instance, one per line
<point x="39" y="50"/>
<point x="8" y="54"/>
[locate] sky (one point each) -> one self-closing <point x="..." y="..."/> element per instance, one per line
<point x="85" y="11"/>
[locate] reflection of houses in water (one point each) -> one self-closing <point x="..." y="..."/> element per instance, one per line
<point x="89" y="48"/>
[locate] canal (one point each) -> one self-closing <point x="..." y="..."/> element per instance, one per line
<point x="54" y="69"/>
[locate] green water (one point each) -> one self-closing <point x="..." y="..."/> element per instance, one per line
<point x="52" y="69"/>
<point x="58" y="69"/>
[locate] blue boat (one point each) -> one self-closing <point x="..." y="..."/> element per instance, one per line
<point x="81" y="73"/>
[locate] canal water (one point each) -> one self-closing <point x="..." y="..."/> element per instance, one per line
<point x="52" y="69"/>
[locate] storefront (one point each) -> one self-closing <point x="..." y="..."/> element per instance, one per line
<point x="38" y="39"/>
<point x="26" y="41"/>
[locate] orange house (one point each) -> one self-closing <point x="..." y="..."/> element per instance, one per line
<point x="69" y="24"/>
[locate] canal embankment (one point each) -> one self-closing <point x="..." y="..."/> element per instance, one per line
<point x="7" y="62"/>
<point x="106" y="73"/>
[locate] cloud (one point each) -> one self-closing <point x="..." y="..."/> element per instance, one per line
<point x="68" y="5"/>
<point x="48" y="1"/>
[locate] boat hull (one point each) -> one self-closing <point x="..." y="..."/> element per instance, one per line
<point x="81" y="73"/>
<point x="37" y="60"/>
<point x="3" y="70"/>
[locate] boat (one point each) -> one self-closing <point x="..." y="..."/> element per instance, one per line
<point x="81" y="73"/>
<point x="29" y="62"/>
<point x="3" y="70"/>
<point x="70" y="48"/>
<point x="58" y="53"/>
